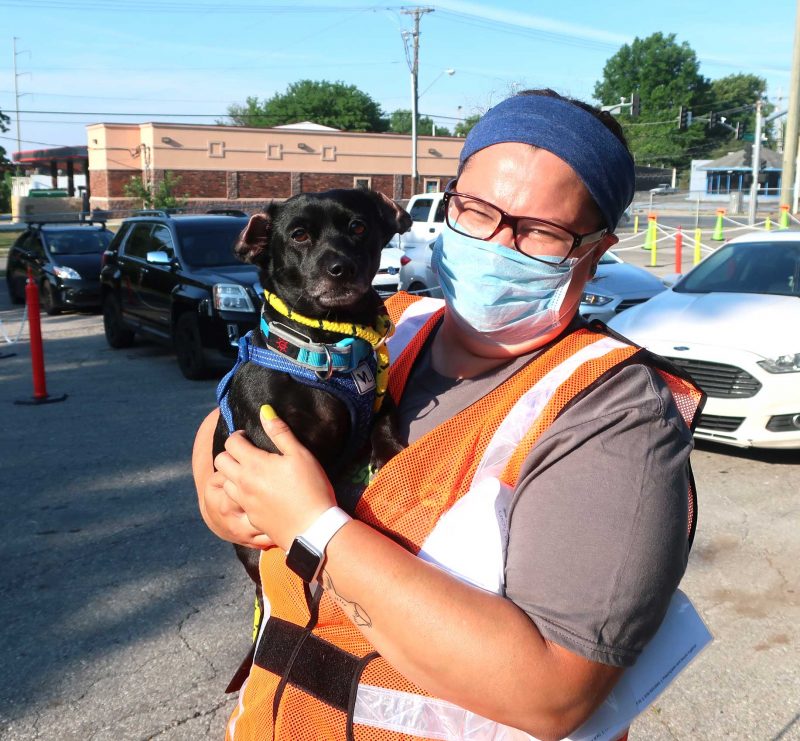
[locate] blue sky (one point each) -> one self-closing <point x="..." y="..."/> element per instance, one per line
<point x="189" y="59"/>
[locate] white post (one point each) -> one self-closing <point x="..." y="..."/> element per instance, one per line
<point x="751" y="212"/>
<point x="796" y="185"/>
<point x="414" y="171"/>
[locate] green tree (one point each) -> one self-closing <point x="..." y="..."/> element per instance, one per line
<point x="327" y="103"/>
<point x="5" y="175"/>
<point x="400" y="123"/>
<point x="164" y="195"/>
<point x="667" y="76"/>
<point x="728" y="94"/>
<point x="5" y="192"/>
<point x="4" y="121"/>
<point x="464" y="127"/>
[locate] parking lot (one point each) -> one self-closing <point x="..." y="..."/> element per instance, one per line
<point x="123" y="617"/>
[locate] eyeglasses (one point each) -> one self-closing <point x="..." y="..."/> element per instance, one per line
<point x="534" y="238"/>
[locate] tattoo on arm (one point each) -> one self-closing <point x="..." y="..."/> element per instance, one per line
<point x="353" y="610"/>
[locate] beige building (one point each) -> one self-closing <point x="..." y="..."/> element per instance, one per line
<point x="231" y="166"/>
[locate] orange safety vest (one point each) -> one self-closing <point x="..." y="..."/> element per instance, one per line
<point x="314" y="675"/>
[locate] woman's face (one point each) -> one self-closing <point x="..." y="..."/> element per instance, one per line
<point x="525" y="181"/>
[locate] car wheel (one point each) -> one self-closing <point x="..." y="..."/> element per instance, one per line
<point x="189" y="348"/>
<point x="15" y="292"/>
<point x="49" y="299"/>
<point x="118" y="335"/>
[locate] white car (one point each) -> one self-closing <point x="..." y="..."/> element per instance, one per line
<point x="417" y="275"/>
<point x="386" y="280"/>
<point x="733" y="323"/>
<point x="615" y="287"/>
<point x="663" y="189"/>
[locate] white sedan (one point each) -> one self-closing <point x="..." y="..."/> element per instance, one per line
<point x="733" y="323"/>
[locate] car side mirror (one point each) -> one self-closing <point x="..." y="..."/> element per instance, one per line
<point x="159" y="257"/>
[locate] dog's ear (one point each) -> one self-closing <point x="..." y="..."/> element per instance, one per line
<point x="254" y="239"/>
<point x="397" y="218"/>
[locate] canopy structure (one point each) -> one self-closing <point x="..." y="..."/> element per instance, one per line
<point x="70" y="159"/>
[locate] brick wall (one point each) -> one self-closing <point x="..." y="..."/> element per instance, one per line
<point x="198" y="183"/>
<point x="264" y="185"/>
<point x="109" y="183"/>
<point x="245" y="190"/>
<point x="315" y="181"/>
<point x="98" y="183"/>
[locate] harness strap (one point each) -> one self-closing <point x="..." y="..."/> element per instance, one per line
<point x="355" y="390"/>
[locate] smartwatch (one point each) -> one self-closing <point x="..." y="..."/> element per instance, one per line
<point x="307" y="552"/>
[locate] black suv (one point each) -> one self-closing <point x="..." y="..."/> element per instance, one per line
<point x="64" y="259"/>
<point x="175" y="278"/>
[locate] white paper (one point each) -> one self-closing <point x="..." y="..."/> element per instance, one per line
<point x="678" y="641"/>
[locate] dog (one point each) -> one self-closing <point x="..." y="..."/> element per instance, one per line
<point x="317" y="254"/>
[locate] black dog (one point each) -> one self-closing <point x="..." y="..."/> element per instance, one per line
<point x="318" y="254"/>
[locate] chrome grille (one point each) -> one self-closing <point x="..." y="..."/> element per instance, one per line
<point x="720" y="380"/>
<point x="719" y="424"/>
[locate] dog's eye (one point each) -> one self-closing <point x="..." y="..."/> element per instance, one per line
<point x="357" y="227"/>
<point x="300" y="235"/>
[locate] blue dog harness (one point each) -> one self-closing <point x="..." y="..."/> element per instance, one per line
<point x="346" y="370"/>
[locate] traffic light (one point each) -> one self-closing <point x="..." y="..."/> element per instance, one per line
<point x="684" y="118"/>
<point x="635" y="105"/>
<point x="713" y="119"/>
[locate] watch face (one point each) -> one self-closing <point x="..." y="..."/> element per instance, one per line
<point x="303" y="559"/>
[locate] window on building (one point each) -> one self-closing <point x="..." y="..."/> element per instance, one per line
<point x="431" y="185"/>
<point x="362" y="183"/>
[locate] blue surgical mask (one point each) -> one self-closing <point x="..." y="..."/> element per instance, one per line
<point x="500" y="293"/>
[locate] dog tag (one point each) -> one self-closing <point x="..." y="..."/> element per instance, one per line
<point x="363" y="379"/>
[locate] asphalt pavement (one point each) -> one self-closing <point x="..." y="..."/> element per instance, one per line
<point x="124" y="618"/>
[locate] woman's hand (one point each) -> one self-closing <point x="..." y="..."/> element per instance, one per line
<point x="280" y="494"/>
<point x="223" y="516"/>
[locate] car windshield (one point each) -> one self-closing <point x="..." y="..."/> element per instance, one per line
<point x="748" y="267"/>
<point x="78" y="242"/>
<point x="210" y="244"/>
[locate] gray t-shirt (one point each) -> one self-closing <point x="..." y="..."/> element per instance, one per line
<point x="598" y="530"/>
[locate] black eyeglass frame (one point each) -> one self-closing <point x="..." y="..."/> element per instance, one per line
<point x="511" y="221"/>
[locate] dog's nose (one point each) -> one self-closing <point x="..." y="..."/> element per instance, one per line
<point x="340" y="267"/>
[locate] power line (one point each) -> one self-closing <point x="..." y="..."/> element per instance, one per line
<point x="188" y="7"/>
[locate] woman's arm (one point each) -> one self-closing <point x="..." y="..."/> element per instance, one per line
<point x="473" y="648"/>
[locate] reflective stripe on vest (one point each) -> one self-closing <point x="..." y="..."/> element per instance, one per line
<point x="444" y="498"/>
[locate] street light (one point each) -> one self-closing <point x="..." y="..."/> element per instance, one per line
<point x="449" y="72"/>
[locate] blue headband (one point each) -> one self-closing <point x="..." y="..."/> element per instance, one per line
<point x="574" y="135"/>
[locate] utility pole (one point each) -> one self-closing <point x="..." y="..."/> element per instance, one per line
<point x="413" y="65"/>
<point x="790" y="137"/>
<point x="751" y="212"/>
<point x="16" y="95"/>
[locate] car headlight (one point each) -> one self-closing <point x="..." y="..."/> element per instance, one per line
<point x="782" y="364"/>
<point x="231" y="297"/>
<point x="595" y="299"/>
<point x="66" y="273"/>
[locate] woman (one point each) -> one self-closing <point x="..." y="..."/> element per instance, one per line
<point x="500" y="573"/>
